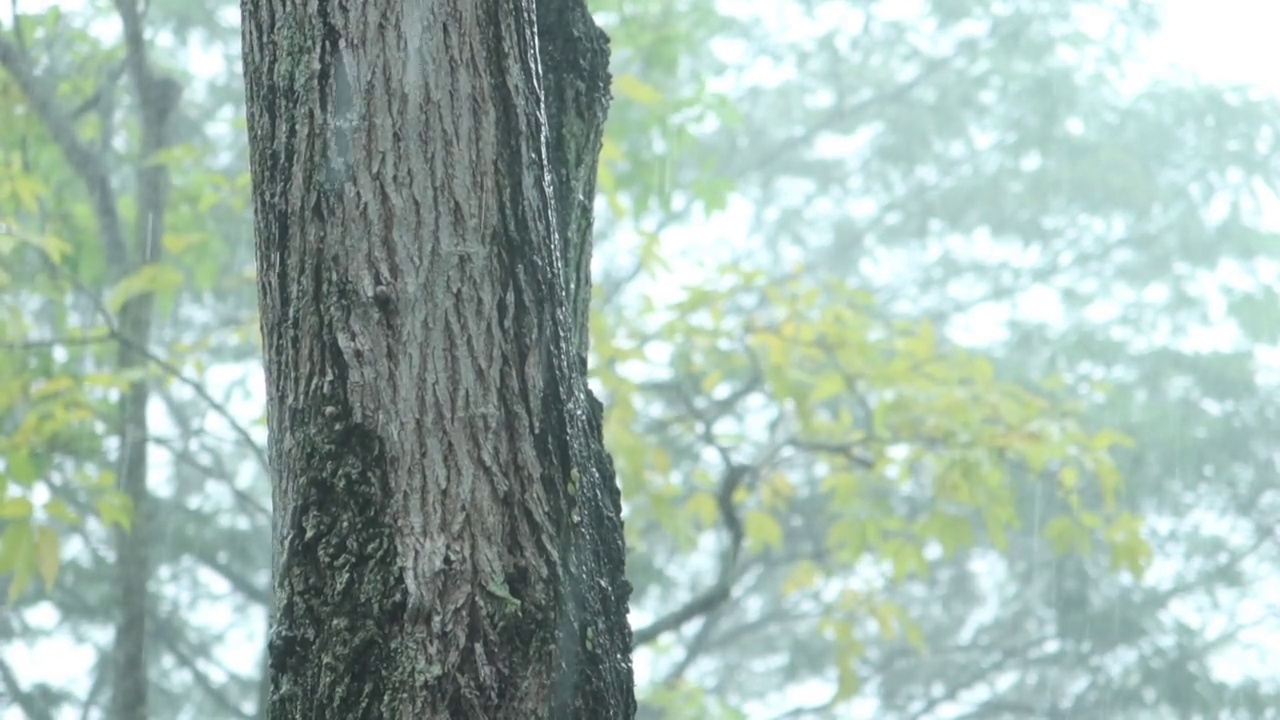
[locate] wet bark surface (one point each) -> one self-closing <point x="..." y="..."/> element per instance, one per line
<point x="448" y="536"/>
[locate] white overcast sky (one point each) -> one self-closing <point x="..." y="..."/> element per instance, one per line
<point x="1222" y="41"/>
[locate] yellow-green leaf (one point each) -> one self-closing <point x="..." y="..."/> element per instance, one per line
<point x="702" y="505"/>
<point x="175" y="155"/>
<point x="886" y="617"/>
<point x="914" y="635"/>
<point x="1065" y="535"/>
<point x="983" y="371"/>
<point x="114" y="509"/>
<point x="1105" y="439"/>
<point x="609" y="151"/>
<point x="826" y="387"/>
<point x="53" y="386"/>
<point x="803" y="576"/>
<point x="775" y="490"/>
<point x="906" y="559"/>
<point x="59" y="510"/>
<point x="14" y="543"/>
<point x="20" y="580"/>
<point x="711" y="381"/>
<point x="1129" y="549"/>
<point x="952" y="531"/>
<point x="151" y="278"/>
<point x="22" y="468"/>
<point x="848" y="539"/>
<point x="1069" y="478"/>
<point x="637" y="90"/>
<point x="177" y="243"/>
<point x="17" y="555"/>
<point x="762" y="529"/>
<point x="15" y="508"/>
<point x="47" y="555"/>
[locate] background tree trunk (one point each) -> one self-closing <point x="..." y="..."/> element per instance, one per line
<point x="159" y="98"/>
<point x="448" y="532"/>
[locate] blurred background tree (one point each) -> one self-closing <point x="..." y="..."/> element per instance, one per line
<point x="933" y="339"/>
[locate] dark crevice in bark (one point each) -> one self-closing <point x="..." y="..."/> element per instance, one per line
<point x="575" y="60"/>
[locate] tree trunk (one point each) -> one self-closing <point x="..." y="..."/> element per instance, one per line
<point x="159" y="99"/>
<point x="448" y="535"/>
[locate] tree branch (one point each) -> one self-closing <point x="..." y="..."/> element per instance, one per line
<point x="706" y="601"/>
<point x="25" y="700"/>
<point x="114" y="333"/>
<point x="87" y="165"/>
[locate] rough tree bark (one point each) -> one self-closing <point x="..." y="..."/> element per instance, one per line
<point x="448" y="536"/>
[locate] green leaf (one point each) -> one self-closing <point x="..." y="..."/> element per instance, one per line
<point x="22" y="467"/>
<point x="152" y="278"/>
<point x="46" y="555"/>
<point x="711" y="381"/>
<point x="1129" y="550"/>
<point x="1069" y="479"/>
<point x="17" y="556"/>
<point x="827" y="386"/>
<point x="762" y="530"/>
<point x="15" y="541"/>
<point x="951" y="531"/>
<point x="59" y="510"/>
<point x="1066" y="536"/>
<point x="906" y="559"/>
<point x="704" y="508"/>
<point x="178" y="243"/>
<point x="1106" y="439"/>
<point x="21" y="578"/>
<point x="15" y="508"/>
<point x="636" y="90"/>
<point x="115" y="510"/>
<point x="803" y="576"/>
